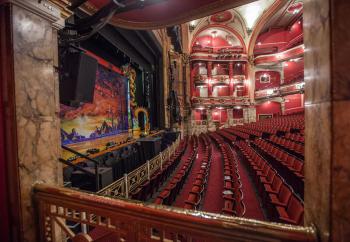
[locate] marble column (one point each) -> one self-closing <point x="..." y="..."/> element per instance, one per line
<point x="34" y="84"/>
<point x="327" y="116"/>
<point x="283" y="106"/>
<point x="230" y="71"/>
<point x="229" y="116"/>
<point x="209" y="68"/>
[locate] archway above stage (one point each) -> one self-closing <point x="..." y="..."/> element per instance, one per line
<point x="169" y="12"/>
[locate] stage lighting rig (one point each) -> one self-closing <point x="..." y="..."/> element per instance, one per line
<point x="80" y="29"/>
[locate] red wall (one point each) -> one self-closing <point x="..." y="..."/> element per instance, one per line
<point x="221" y="69"/>
<point x="223" y="91"/>
<point x="197" y="114"/>
<point x="237" y="113"/>
<point x="216" y="115"/>
<point x="294" y="103"/>
<point x="216" y="43"/>
<point x="292" y="70"/>
<point x="275" y="80"/>
<point x="268" y="107"/>
<point x="279" y="37"/>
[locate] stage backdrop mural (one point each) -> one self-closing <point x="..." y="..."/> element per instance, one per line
<point x="106" y="116"/>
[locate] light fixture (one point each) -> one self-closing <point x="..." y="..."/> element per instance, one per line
<point x="299" y="22"/>
<point x="208" y="41"/>
<point x="269" y="91"/>
<point x="296" y="11"/>
<point x="230" y="42"/>
<point x="197" y="43"/>
<point x="237" y="107"/>
<point x="285" y="64"/>
<point x="259" y="43"/>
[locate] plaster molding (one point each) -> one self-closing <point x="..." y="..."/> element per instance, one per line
<point x="43" y="9"/>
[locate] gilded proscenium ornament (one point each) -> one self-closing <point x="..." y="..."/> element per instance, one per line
<point x="130" y="73"/>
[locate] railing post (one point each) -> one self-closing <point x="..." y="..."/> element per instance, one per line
<point x="148" y="171"/>
<point x="83" y="226"/>
<point x="126" y="185"/>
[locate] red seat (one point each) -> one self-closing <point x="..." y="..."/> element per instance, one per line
<point x="275" y="186"/>
<point x="269" y="177"/>
<point x="293" y="213"/>
<point x="282" y="198"/>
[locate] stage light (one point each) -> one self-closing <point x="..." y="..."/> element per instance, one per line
<point x="269" y="91"/>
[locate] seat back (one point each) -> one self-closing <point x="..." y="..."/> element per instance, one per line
<point x="298" y="165"/>
<point x="284" y="194"/>
<point x="271" y="175"/>
<point x="277" y="183"/>
<point x="295" y="210"/>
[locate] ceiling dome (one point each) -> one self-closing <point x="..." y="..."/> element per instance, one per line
<point x="222" y="17"/>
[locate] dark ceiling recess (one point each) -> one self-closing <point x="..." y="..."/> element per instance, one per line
<point x="174" y="33"/>
<point x="119" y="45"/>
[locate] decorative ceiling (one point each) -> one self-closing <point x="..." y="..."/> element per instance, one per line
<point x="163" y="13"/>
<point x="285" y="16"/>
<point x="251" y="12"/>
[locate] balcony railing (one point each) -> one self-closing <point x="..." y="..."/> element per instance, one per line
<point x="280" y="91"/>
<point x="127" y="184"/>
<point x="106" y="219"/>
<point x="222" y="101"/>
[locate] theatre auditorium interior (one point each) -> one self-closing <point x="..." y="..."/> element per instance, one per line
<point x="173" y="120"/>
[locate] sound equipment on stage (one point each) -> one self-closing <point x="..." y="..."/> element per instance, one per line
<point x="151" y="146"/>
<point x="77" y="77"/>
<point x="82" y="181"/>
<point x="171" y="135"/>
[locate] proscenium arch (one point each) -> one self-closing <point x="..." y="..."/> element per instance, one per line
<point x="224" y="27"/>
<point x="198" y="13"/>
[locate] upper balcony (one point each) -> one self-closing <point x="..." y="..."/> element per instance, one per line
<point x="280" y="91"/>
<point x="219" y="54"/>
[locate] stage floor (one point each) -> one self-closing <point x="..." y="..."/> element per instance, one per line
<point x="100" y="144"/>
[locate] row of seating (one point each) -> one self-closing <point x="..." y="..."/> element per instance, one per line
<point x="232" y="193"/>
<point x="297" y="137"/>
<point x="168" y="194"/>
<point x="238" y="133"/>
<point x="227" y="135"/>
<point x="201" y="177"/>
<point x="249" y="131"/>
<point x="291" y="162"/>
<point x="149" y="187"/>
<point x="278" y="124"/>
<point x="279" y="199"/>
<point x="288" y="144"/>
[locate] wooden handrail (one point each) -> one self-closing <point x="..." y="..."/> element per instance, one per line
<point x="135" y="221"/>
